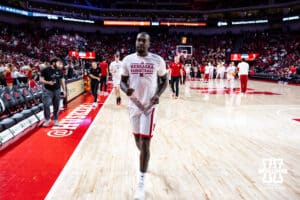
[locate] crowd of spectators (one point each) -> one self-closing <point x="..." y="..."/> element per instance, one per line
<point x="279" y="53"/>
<point x="28" y="49"/>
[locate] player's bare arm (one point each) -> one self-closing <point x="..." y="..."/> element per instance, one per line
<point x="125" y="87"/>
<point x="162" y="85"/>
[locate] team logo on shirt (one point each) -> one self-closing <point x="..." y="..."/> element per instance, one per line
<point x="141" y="68"/>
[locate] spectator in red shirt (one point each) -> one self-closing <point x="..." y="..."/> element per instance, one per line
<point x="103" y="79"/>
<point x="293" y="70"/>
<point x="176" y="73"/>
<point x="8" y="76"/>
<point x="202" y="70"/>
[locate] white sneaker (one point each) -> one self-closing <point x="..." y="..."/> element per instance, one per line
<point x="46" y="123"/>
<point x="140" y="192"/>
<point x="95" y="104"/>
<point x="56" y="123"/>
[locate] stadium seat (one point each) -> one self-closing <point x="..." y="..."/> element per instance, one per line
<point x="18" y="117"/>
<point x="20" y="102"/>
<point x="2" y="106"/>
<point x="2" y="128"/>
<point x="7" y="123"/>
<point x="28" y="96"/>
<point x="37" y="94"/>
<point x="8" y="100"/>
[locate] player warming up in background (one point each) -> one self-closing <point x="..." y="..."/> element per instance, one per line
<point x="243" y="74"/>
<point x="115" y="69"/>
<point x="230" y="74"/>
<point x="144" y="79"/>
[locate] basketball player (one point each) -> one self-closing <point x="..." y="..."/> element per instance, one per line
<point x="243" y="74"/>
<point x="220" y="70"/>
<point x="230" y="74"/>
<point x="95" y="74"/>
<point x="143" y="79"/>
<point x="211" y="71"/>
<point x="115" y="69"/>
<point x="206" y="72"/>
<point x="103" y="79"/>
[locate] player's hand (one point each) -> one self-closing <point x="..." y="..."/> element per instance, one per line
<point x="129" y="92"/>
<point x="65" y="94"/>
<point x="155" y="100"/>
<point x="50" y="82"/>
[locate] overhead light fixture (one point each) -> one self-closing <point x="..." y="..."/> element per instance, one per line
<point x="222" y="23"/>
<point x="78" y="20"/>
<point x="250" y="22"/>
<point x="290" y="18"/>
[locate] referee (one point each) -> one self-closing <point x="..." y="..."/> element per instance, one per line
<point x="53" y="80"/>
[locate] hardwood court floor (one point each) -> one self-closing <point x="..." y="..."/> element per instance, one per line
<point x="208" y="144"/>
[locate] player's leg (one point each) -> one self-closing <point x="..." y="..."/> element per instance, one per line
<point x="105" y="84"/>
<point x="232" y="83"/>
<point x="172" y="85"/>
<point x="245" y="83"/>
<point x="56" y="101"/>
<point x="134" y="118"/>
<point x="144" y="153"/>
<point x="47" y="97"/>
<point x="94" y="90"/>
<point x="101" y="85"/>
<point x="117" y="89"/>
<point x="147" y="122"/>
<point x="177" y="86"/>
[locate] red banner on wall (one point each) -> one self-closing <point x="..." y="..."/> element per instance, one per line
<point x="82" y="55"/>
<point x="248" y="57"/>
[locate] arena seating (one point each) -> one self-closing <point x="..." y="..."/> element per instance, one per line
<point x="21" y="110"/>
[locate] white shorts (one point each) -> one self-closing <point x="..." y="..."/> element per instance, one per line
<point x="142" y="124"/>
<point x="116" y="82"/>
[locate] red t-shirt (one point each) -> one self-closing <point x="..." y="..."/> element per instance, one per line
<point x="293" y="70"/>
<point x="32" y="84"/>
<point x="9" y="78"/>
<point x="175" y="69"/>
<point x="202" y="68"/>
<point x="104" y="68"/>
<point x="29" y="74"/>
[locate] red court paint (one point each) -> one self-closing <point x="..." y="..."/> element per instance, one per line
<point x="272" y="81"/>
<point x="206" y="90"/>
<point x="29" y="168"/>
<point x="297" y="120"/>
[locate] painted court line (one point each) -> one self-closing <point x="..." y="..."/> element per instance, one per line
<point x="75" y="153"/>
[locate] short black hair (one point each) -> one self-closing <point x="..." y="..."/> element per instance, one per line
<point x="144" y="33"/>
<point x="54" y="59"/>
<point x="117" y="54"/>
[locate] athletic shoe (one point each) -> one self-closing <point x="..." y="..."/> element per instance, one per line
<point x="140" y="192"/>
<point x="56" y="123"/>
<point x="46" y="123"/>
<point x="95" y="104"/>
<point x="119" y="101"/>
